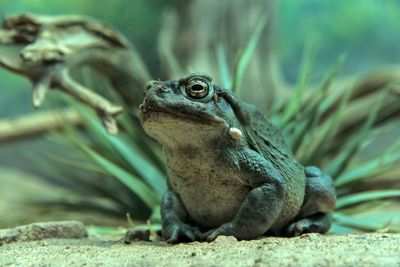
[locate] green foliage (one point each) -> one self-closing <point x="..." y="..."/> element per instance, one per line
<point x="246" y="55"/>
<point x="125" y="168"/>
<point x="315" y="140"/>
<point x="359" y="28"/>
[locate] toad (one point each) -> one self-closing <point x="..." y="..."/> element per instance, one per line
<point x="229" y="169"/>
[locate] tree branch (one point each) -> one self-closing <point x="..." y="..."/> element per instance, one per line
<point x="33" y="125"/>
<point x="52" y="46"/>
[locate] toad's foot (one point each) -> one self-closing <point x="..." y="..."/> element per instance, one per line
<point x="225" y="229"/>
<point x="181" y="232"/>
<point x="318" y="223"/>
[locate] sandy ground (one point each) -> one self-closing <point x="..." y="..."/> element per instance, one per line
<point x="307" y="250"/>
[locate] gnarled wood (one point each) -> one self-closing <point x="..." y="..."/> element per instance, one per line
<point x="52" y="46"/>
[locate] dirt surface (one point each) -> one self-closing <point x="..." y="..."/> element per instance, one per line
<point x="307" y="250"/>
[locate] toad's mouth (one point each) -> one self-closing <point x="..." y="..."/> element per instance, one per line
<point x="150" y="106"/>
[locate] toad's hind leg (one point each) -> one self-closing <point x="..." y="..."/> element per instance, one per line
<point x="319" y="201"/>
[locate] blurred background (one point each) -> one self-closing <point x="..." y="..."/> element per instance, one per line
<point x="269" y="50"/>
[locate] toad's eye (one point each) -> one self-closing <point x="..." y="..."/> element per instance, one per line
<point x="197" y="88"/>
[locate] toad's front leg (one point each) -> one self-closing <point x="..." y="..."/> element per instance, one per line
<point x="262" y="205"/>
<point x="174" y="217"/>
<point x="256" y="215"/>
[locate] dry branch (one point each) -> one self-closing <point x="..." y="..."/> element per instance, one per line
<point x="33" y="125"/>
<point x="53" y="46"/>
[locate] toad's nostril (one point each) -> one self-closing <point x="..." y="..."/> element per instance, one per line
<point x="163" y="88"/>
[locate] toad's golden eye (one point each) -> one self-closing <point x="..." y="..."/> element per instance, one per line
<point x="197" y="88"/>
